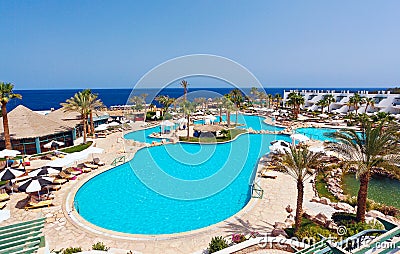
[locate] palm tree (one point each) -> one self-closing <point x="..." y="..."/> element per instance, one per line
<point x="93" y="104"/>
<point x="78" y="103"/>
<point x="188" y="108"/>
<point x="329" y="98"/>
<point x="229" y="106"/>
<point x="220" y="105"/>
<point x="165" y="101"/>
<point x="376" y="147"/>
<point x="295" y="100"/>
<point x="322" y="103"/>
<point x="369" y="102"/>
<point x="270" y="100"/>
<point x="278" y="99"/>
<point x="236" y="97"/>
<point x="255" y="93"/>
<point x="298" y="163"/>
<point x="7" y="94"/>
<point x="144" y="97"/>
<point x="356" y="99"/>
<point x="185" y="85"/>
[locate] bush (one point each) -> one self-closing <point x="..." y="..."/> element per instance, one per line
<point x="341" y="218"/>
<point x="99" y="246"/>
<point x="217" y="243"/>
<point x="149" y="115"/>
<point x="238" y="238"/>
<point x="353" y="202"/>
<point x="309" y="230"/>
<point x="72" y="250"/>
<point x="387" y="210"/>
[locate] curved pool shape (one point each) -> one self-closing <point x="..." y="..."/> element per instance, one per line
<point x="213" y="184"/>
<point x="316" y="133"/>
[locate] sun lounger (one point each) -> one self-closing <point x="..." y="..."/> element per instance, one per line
<point x="268" y="174"/>
<point x="60" y="181"/>
<point x="74" y="171"/>
<point x="65" y="175"/>
<point x="3" y="204"/>
<point x="44" y="203"/>
<point x="97" y="161"/>
<point x="4" y="196"/>
<point x="88" y="165"/>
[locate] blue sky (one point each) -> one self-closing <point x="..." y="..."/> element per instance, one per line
<point x="106" y="44"/>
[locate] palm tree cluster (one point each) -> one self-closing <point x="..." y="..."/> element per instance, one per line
<point x="265" y="99"/>
<point x="376" y="146"/>
<point x="85" y="103"/>
<point x="326" y="102"/>
<point x="295" y="100"/>
<point x="7" y="94"/>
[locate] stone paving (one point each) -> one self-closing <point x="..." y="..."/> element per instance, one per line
<point x="61" y="232"/>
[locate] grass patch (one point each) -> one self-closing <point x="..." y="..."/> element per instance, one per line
<point x="310" y="229"/>
<point x="232" y="133"/>
<point x="77" y="148"/>
<point x="321" y="186"/>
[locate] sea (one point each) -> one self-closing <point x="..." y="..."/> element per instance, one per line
<point x="41" y="100"/>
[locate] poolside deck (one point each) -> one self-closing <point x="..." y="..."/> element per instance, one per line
<point x="61" y="232"/>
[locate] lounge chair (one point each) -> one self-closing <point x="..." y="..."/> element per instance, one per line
<point x="44" y="203"/>
<point x="60" y="181"/>
<point x="97" y="161"/>
<point x="88" y="165"/>
<point x="3" y="165"/>
<point x="3" y="204"/>
<point x="66" y="175"/>
<point x="268" y="174"/>
<point x="73" y="171"/>
<point x="4" y="196"/>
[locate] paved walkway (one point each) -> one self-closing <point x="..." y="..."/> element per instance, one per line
<point x="61" y="233"/>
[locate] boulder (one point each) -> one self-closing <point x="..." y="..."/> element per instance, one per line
<point x="325" y="201"/>
<point x="279" y="232"/>
<point x="330" y="224"/>
<point x="315" y="199"/>
<point x="289" y="222"/>
<point x="279" y="225"/>
<point x="375" y="213"/>
<point x="321" y="219"/>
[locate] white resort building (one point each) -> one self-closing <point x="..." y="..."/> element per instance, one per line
<point x="384" y="101"/>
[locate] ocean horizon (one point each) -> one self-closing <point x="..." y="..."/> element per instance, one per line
<point x="46" y="99"/>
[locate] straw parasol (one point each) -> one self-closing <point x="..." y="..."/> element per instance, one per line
<point x="208" y="128"/>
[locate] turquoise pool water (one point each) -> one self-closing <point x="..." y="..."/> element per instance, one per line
<point x="316" y="133"/>
<point x="174" y="188"/>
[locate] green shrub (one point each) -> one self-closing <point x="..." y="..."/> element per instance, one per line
<point x="72" y="250"/>
<point x="77" y="148"/>
<point x="310" y="230"/>
<point x="353" y="202"/>
<point x="100" y="246"/>
<point x="387" y="210"/>
<point x="342" y="218"/>
<point x="217" y="243"/>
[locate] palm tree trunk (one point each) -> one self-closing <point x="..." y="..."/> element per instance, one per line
<point x="6" y="128"/>
<point x="220" y="115"/>
<point x="91" y="123"/>
<point x="84" y="129"/>
<point x="366" y="107"/>
<point x="188" y="124"/>
<point x="236" y="122"/>
<point x="228" y="118"/>
<point x="299" y="208"/>
<point x="362" y="197"/>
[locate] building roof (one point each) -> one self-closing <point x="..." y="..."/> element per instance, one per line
<point x="71" y="118"/>
<point x="25" y="123"/>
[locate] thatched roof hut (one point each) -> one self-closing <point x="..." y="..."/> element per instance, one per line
<point x="73" y="119"/>
<point x="208" y="128"/>
<point x="25" y="123"/>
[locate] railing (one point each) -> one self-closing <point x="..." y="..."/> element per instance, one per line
<point x="118" y="160"/>
<point x="256" y="191"/>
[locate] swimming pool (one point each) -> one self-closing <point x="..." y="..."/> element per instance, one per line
<point x="316" y="133"/>
<point x="174" y="188"/>
<point x="249" y="121"/>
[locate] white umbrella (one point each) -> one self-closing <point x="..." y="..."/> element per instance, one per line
<point x="10" y="173"/>
<point x="181" y="120"/>
<point x="44" y="171"/>
<point x="167" y="123"/>
<point x="316" y="149"/>
<point x="113" y="124"/>
<point x="278" y="149"/>
<point x="101" y="127"/>
<point x="53" y="143"/>
<point x="323" y="116"/>
<point x="93" y="149"/>
<point x="9" y="153"/>
<point x="276" y="113"/>
<point x="210" y="117"/>
<point x="35" y="184"/>
<point x="61" y="162"/>
<point x="299" y="137"/>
